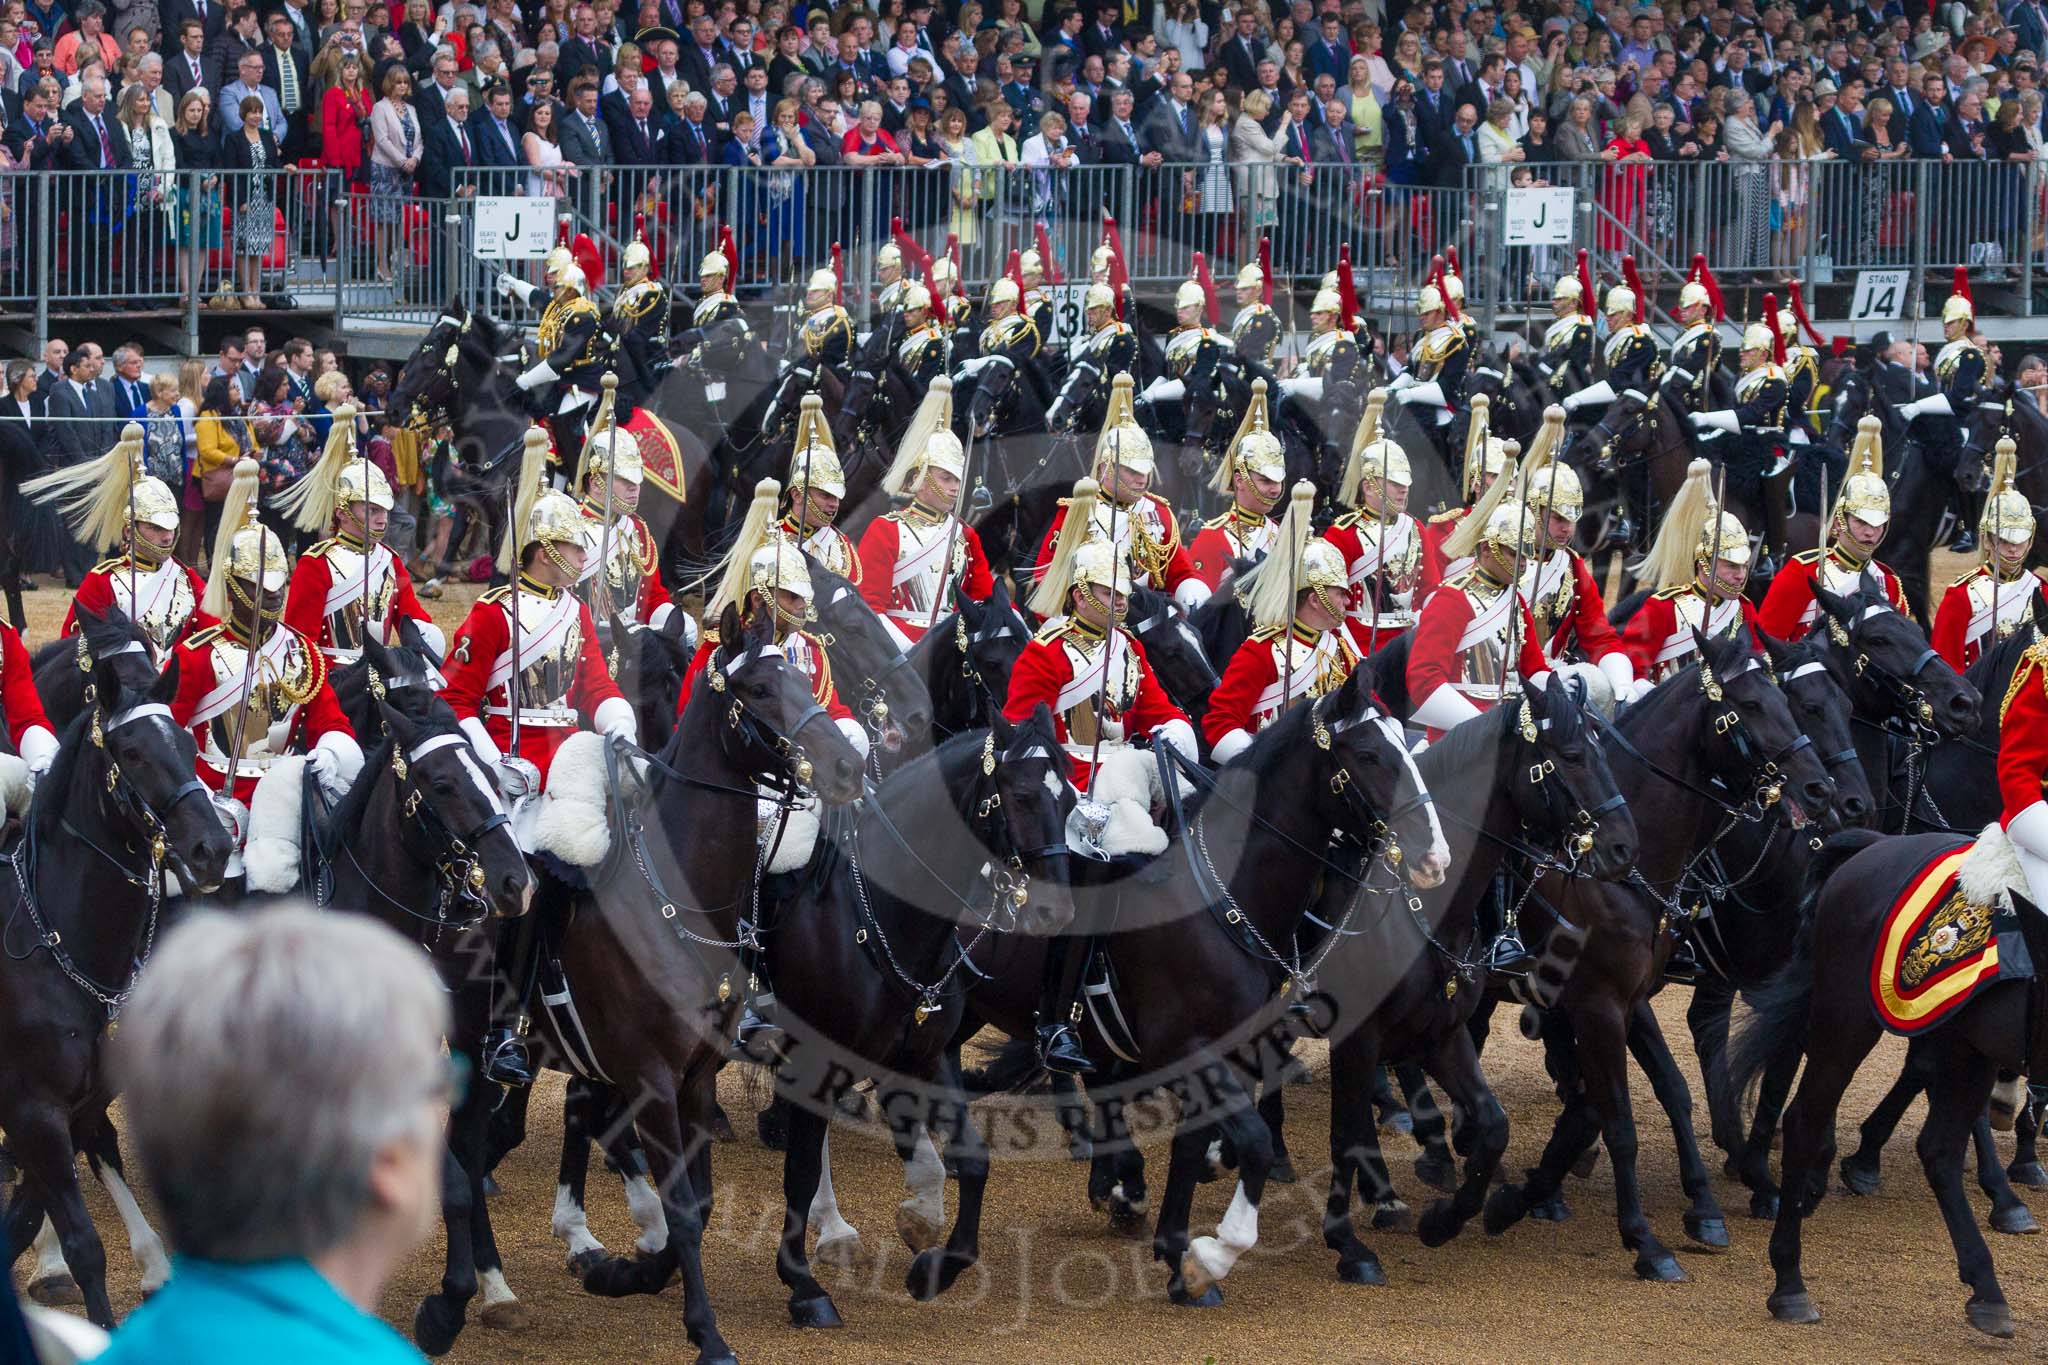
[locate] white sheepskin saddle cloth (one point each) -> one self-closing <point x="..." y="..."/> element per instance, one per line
<point x="571" y="818"/>
<point x="1991" y="871"/>
<point x="787" y="841"/>
<point x="1126" y="781"/>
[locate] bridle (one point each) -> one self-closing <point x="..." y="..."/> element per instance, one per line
<point x="1564" y="809"/>
<point x="749" y="725"/>
<point x="1163" y="618"/>
<point x="1841" y="758"/>
<point x="873" y="687"/>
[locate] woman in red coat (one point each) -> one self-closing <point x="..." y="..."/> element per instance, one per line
<point x="344" y="112"/>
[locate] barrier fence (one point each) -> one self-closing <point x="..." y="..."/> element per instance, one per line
<point x="177" y="244"/>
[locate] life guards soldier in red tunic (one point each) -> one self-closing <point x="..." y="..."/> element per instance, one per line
<point x="1298" y="647"/>
<point x="1252" y="475"/>
<point x="1145" y="527"/>
<point x="1697" y="566"/>
<point x="1996" y="598"/>
<point x="349" y="496"/>
<point x="816" y="485"/>
<point x="1486" y="455"/>
<point x="622" y="572"/>
<point x="765" y="572"/>
<point x="915" y="561"/>
<point x="111" y="502"/>
<point x="1381" y="544"/>
<point x="1571" y="620"/>
<point x="1094" y="676"/>
<point x="1475" y="641"/>
<point x="549" y="670"/>
<point x="1861" y="511"/>
<point x="245" y="713"/>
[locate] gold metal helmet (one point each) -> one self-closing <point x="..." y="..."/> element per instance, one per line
<point x="558" y="260"/>
<point x="1788" y="327"/>
<point x="944" y="272"/>
<point x="1427" y="300"/>
<point x="1123" y="443"/>
<point x="545" y="518"/>
<point x="1254" y="449"/>
<point x="245" y="552"/>
<point x="1189" y="295"/>
<point x="1959" y="308"/>
<point x="1693" y="294"/>
<point x="888" y="257"/>
<point x="2008" y="516"/>
<point x="916" y="296"/>
<point x="1385" y="461"/>
<point x="813" y="462"/>
<point x="1323" y="568"/>
<point x="98" y="497"/>
<point x="927" y="443"/>
<point x="1510" y="520"/>
<point x="714" y="266"/>
<point x="761" y="560"/>
<point x="1272" y="589"/>
<point x="1031" y="266"/>
<point x="554" y="519"/>
<point x="1454" y="285"/>
<point x="1621" y="299"/>
<point x="1004" y="290"/>
<point x="1733" y="547"/>
<point x="636" y="256"/>
<point x="1865" y="495"/>
<point x="822" y="282"/>
<point x="1567" y="288"/>
<point x="606" y="449"/>
<point x="1100" y="564"/>
<point x="1327" y="302"/>
<point x="1251" y="277"/>
<point x="1079" y="556"/>
<point x="1548" y="482"/>
<point x="1757" y="337"/>
<point x="1099" y="296"/>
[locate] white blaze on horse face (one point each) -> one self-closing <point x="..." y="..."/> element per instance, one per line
<point x="148" y="1249"/>
<point x="482" y="783"/>
<point x="1433" y="866"/>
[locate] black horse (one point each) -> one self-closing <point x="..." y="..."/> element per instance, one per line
<point x="965" y="661"/>
<point x="1820" y="1005"/>
<point x="1173" y="649"/>
<point x="118" y="811"/>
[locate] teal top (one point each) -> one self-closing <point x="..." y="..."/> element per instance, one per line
<point x="253" y="1314"/>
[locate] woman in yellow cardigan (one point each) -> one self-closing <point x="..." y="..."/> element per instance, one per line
<point x="223" y="438"/>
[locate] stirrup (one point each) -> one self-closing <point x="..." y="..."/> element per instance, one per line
<point x="1509" y="957"/>
<point x="758" y="1037"/>
<point x="1682" y="966"/>
<point x="1059" y="1049"/>
<point x="506" y="1061"/>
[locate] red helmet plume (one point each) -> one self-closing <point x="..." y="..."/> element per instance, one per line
<point x="1771" y="321"/>
<point x="1635" y="285"/>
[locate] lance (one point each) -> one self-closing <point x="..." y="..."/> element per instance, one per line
<point x="1379" y="550"/>
<point x="249" y="658"/>
<point x="134" y="536"/>
<point x="947" y="569"/>
<point x="610" y="383"/>
<point x="512" y="532"/>
<point x="1116" y="473"/>
<point x="1714" y="562"/>
<point x="1293" y="600"/>
<point x="1997" y="523"/>
<point x="1514" y="583"/>
<point x="363" y="525"/>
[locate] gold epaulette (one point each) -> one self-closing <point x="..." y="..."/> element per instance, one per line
<point x="497" y="594"/>
<point x="199" y="639"/>
<point x="108" y="566"/>
<point x="1808" y="557"/>
<point x="1266" y="635"/>
<point x="1216" y="523"/>
<point x="319" y="548"/>
<point x="1968" y="576"/>
<point x="1349" y="519"/>
<point x="2035" y="660"/>
<point x="1451" y="514"/>
<point x="1671" y="594"/>
<point x="1050" y="632"/>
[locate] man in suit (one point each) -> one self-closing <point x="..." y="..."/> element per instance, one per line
<point x="1330" y="54"/>
<point x="587" y="50"/>
<point x="210" y="15"/>
<point x="1458" y="148"/>
<point x="739" y="48"/>
<point x="1243" y="51"/>
<point x="691" y="141"/>
<point x="448" y="157"/>
<point x="639" y="140"/>
<point x="130" y="391"/>
<point x="585" y="140"/>
<point x="496" y="140"/>
<point x="285" y="71"/>
<point x="704" y="51"/>
<point x="185" y="70"/>
<point x="92" y="146"/>
<point x="1927" y="125"/>
<point x="1898" y="88"/>
<point x="722" y="102"/>
<point x="1434" y="111"/>
<point x="55" y="352"/>
<point x="1101" y="38"/>
<point x="445" y="75"/>
<point x="1117" y="142"/>
<point x="71" y="441"/>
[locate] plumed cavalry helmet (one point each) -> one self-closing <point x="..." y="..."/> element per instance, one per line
<point x="1373" y="454"/>
<point x="636" y="256"/>
<point x="1548" y="483"/>
<point x="1567" y="289"/>
<point x="762" y="561"/>
<point x="1032" y="266"/>
<point x="1254" y="449"/>
<point x="1693" y="294"/>
<point x="1960" y="307"/>
<point x="2008" y="516"/>
<point x="1621" y="299"/>
<point x="1249" y="276"/>
<point x="340" y="478"/>
<point x="1428" y="299"/>
<point x="1757" y="337"/>
<point x="1511" y="528"/>
<point x="1099" y="260"/>
<point x="824" y="282"/>
<point x="1865" y="495"/>
<point x="888" y="256"/>
<point x="1300" y="561"/>
<point x="1079" y="556"/>
<point x="1099" y="296"/>
<point x="606" y="449"/>
<point x="246" y="555"/>
<point x="1693" y="534"/>
<point x="1454" y="286"/>
<point x="928" y="443"/>
<point x="714" y="266"/>
<point x="1123" y="442"/>
<point x="1327" y="302"/>
<point x="1004" y="290"/>
<point x="540" y="517"/>
<point x="916" y="296"/>
<point x="812" y="461"/>
<point x="558" y="263"/>
<point x="1189" y="295"/>
<point x="97" y="497"/>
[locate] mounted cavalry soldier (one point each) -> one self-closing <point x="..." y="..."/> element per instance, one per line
<point x="1141" y="524"/>
<point x="889" y="275"/>
<point x="1566" y="360"/>
<point x="824" y="344"/>
<point x="1486" y="455"/>
<point x="1747" y="438"/>
<point x="925" y="353"/>
<point x="765" y="572"/>
<point x="1996" y="598"/>
<point x="1564" y="598"/>
<point x="639" y="321"/>
<point x="1631" y="354"/>
<point x="111" y="503"/>
<point x="1802" y="380"/>
<point x="574" y="352"/>
<point x="1109" y="347"/>
<point x="1196" y="360"/>
<point x="1036" y="304"/>
<point x="1094" y="677"/>
<point x="1006" y="364"/>
<point x="621" y="570"/>
<point x="1855" y="527"/>
<point x="1475" y="642"/>
<point x="1298" y="647"/>
<point x="353" y="574"/>
<point x="1380" y="543"/>
<point x="1252" y="475"/>
<point x="248" y="708"/>
<point x="915" y="561"/>
<point x="1935" y="422"/>
<point x="1698" y="566"/>
<point x="816" y="485"/>
<point x="1696" y="355"/>
<point x="1330" y="376"/>
<point x="1435" y="377"/>
<point x="717" y="326"/>
<point x="1255" y="331"/>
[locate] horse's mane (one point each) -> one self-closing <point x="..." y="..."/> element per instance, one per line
<point x="1464" y="747"/>
<point x="46" y="808"/>
<point x="438" y="718"/>
<point x="1270" y="748"/>
<point x="1992" y="673"/>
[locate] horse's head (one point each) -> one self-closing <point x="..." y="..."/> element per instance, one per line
<point x="992" y="636"/>
<point x="1374" y="788"/>
<point x="1564" y="789"/>
<point x="1618" y="434"/>
<point x="1027" y="771"/>
<point x="652" y="664"/>
<point x="1982" y="426"/>
<point x="1852" y="400"/>
<point x="453" y="808"/>
<point x="1171" y="647"/>
<point x="146" y="790"/>
<point x="775" y="726"/>
<point x="873" y="676"/>
<point x="1822" y="708"/>
<point x="1750" y="741"/>
<point x="400" y="676"/>
<point x="1896" y="674"/>
<point x="451" y="367"/>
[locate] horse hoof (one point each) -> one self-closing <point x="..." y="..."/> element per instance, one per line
<point x="817" y="1312"/>
<point x="1437" y="1225"/>
<point x="1080" y="1149"/>
<point x="2028" y="1174"/>
<point x="618" y="1277"/>
<point x="56" y="1291"/>
<point x="1551" y="1210"/>
<point x="1195" y="1279"/>
<point x="716" y="1352"/>
<point x="1796" y="1309"/>
<point x="1282" y="1172"/>
<point x="1858" y="1178"/>
<point x="1505" y="1207"/>
<point x="1709" y="1230"/>
<point x="508" y="1316"/>
<point x="1438" y="1172"/>
<point x="721" y="1125"/>
<point x="1366" y="1272"/>
<point x="435" y="1326"/>
<point x="1992" y="1319"/>
<point x="1763" y="1204"/>
<point x="583" y="1262"/>
<point x="840" y="1253"/>
<point x="1212" y="1297"/>
<point x="918" y="1232"/>
<point x="932" y="1273"/>
<point x="1588" y="1159"/>
<point x="2015" y="1221"/>
<point x="1393" y="1216"/>
<point x="1661" y="1267"/>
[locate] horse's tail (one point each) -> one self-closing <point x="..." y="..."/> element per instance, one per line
<point x="1776" y="1029"/>
<point x="1014" y="1065"/>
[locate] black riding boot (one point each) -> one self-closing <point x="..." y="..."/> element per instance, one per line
<point x="1682" y="966"/>
<point x="1059" y="1008"/>
<point x="506" y="1060"/>
<point x="1508" y="958"/>
<point x="759" y="1036"/>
